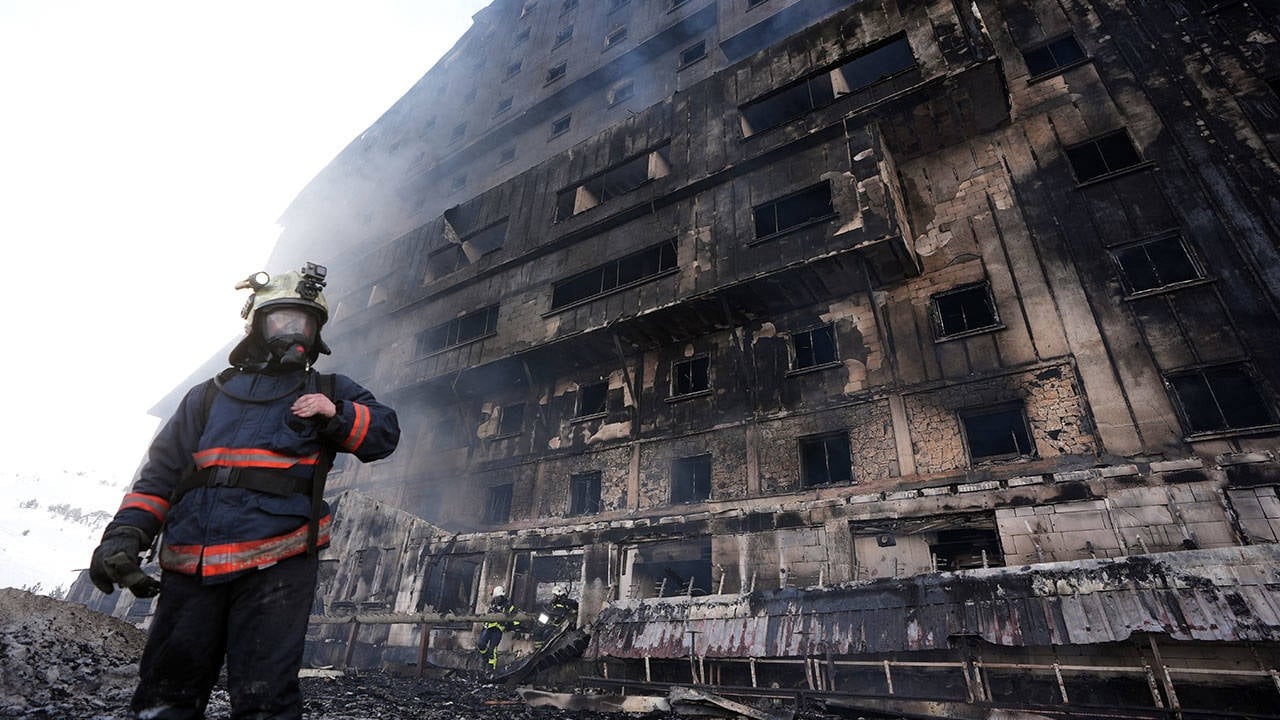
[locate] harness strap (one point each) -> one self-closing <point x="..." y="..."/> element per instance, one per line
<point x="272" y="482"/>
<point x="324" y="384"/>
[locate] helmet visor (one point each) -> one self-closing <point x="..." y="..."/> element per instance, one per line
<point x="288" y="322"/>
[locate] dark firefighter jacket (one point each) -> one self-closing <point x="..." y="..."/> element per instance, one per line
<point x="502" y="606"/>
<point x="216" y="532"/>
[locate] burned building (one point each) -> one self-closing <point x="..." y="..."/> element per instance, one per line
<point x="803" y="337"/>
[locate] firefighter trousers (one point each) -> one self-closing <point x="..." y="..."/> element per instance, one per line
<point x="257" y="622"/>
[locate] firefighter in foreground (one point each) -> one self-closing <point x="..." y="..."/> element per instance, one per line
<point x="235" y="479"/>
<point x="491" y="636"/>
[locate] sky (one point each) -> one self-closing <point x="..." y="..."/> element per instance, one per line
<point x="147" y="148"/>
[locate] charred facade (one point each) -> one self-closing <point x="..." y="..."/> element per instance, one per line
<point x="815" y="329"/>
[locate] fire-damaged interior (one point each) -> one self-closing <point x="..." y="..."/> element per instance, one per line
<point x="884" y="352"/>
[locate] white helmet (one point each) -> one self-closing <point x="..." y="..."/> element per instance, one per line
<point x="499" y="591"/>
<point x="559" y="591"/>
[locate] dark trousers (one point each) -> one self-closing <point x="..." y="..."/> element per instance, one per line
<point x="258" y="622"/>
<point x="488" y="643"/>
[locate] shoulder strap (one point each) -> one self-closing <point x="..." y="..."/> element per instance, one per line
<point x="325" y="384"/>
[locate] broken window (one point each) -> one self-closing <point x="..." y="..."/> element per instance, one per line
<point x="458" y="331"/>
<point x="486" y="240"/>
<point x="996" y="432"/>
<point x="798" y="209"/>
<point x="1220" y="398"/>
<point x="1103" y="156"/>
<point x="615" y="36"/>
<point x="511" y="420"/>
<point x="521" y="37"/>
<point x="563" y="36"/>
<point x="691" y="479"/>
<point x="1156" y="264"/>
<point x="445" y="260"/>
<point x="592" y="399"/>
<point x="528" y="8"/>
<point x="560" y="125"/>
<point x="508" y="154"/>
<point x="622" y="92"/>
<point x="514" y="68"/>
<point x="615" y="275"/>
<point x="617" y="180"/>
<point x="693" y="53"/>
<point x="966" y="549"/>
<point x="537" y="574"/>
<point x="825" y="460"/>
<point x="498" y="507"/>
<point x="675" y="4"/>
<point x="1053" y="56"/>
<point x="964" y="310"/>
<point x="451" y="582"/>
<point x="670" y="568"/>
<point x="556" y="72"/>
<point x="584" y="493"/>
<point x="799" y="98"/>
<point x="755" y="3"/>
<point x="815" y="347"/>
<point x="505" y="104"/>
<point x="896" y="547"/>
<point x="691" y="376"/>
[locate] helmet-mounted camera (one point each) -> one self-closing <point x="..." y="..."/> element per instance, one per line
<point x="312" y="281"/>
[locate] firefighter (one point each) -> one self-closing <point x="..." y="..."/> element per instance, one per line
<point x="235" y="481"/>
<point x="491" y="636"/>
<point x="561" y="610"/>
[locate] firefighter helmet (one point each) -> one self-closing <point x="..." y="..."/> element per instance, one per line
<point x="300" y="289"/>
<point x="559" y="591"/>
<point x="499" y="591"/>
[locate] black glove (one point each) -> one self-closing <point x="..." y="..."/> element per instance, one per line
<point x="116" y="562"/>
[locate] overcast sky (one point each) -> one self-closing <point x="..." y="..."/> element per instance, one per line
<point x="147" y="148"/>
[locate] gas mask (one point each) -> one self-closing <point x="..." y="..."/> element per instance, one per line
<point x="289" y="334"/>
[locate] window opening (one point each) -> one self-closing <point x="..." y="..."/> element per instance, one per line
<point x="693" y="53"/>
<point x="1219" y="399"/>
<point x="1053" y="56"/>
<point x="800" y="98"/>
<point x="522" y="35"/>
<point x="568" y="5"/>
<point x="563" y="36"/>
<point x="450" y="585"/>
<point x="825" y="460"/>
<point x="556" y="72"/>
<point x="459" y="331"/>
<point x="615" y="275"/>
<point x="755" y="3"/>
<point x="592" y="399"/>
<point x="691" y="376"/>
<point x="691" y="479"/>
<point x="487" y="239"/>
<point x="459" y="131"/>
<point x="814" y="347"/>
<point x="676" y="3"/>
<point x="445" y="260"/>
<point x="514" y="68"/>
<point x="458" y="182"/>
<point x="1103" y="156"/>
<point x="511" y="421"/>
<point x="560" y="126"/>
<point x="429" y="124"/>
<point x="999" y="432"/>
<point x="584" y="493"/>
<point x="615" y="36"/>
<point x="498" y="507"/>
<point x="505" y="104"/>
<point x="528" y="8"/>
<point x="965" y="310"/>
<point x="798" y="209"/>
<point x="508" y="154"/>
<point x="622" y="93"/>
<point x="1156" y="264"/>
<point x="617" y="180"/>
<point x="671" y="568"/>
<point x="966" y="549"/>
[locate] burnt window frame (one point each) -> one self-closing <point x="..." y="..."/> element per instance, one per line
<point x="657" y="165"/>
<point x="1059" y="67"/>
<point x="497" y="507"/>
<point x="453" y="332"/>
<point x="437" y="271"/>
<point x="616" y="94"/>
<point x="584" y="494"/>
<point x="792" y="197"/>
<point x="1070" y="152"/>
<point x="1188" y="255"/>
<point x="794" y="351"/>
<point x="561" y="125"/>
<point x="581" y="411"/>
<point x="820" y="99"/>
<point x="504" y="429"/>
<point x="936" y="311"/>
<point x="963" y="416"/>
<point x="683" y="61"/>
<point x="839" y="437"/>
<point x="1255" y="390"/>
<point x="473" y="238"/>
<point x="691" y="494"/>
<point x="675" y="393"/>
<point x="611" y="274"/>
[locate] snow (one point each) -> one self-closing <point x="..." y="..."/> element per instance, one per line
<point x="50" y="522"/>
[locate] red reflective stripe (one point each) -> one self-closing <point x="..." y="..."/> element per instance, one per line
<point x="249" y="457"/>
<point x="232" y="557"/>
<point x="153" y="504"/>
<point x="359" y="428"/>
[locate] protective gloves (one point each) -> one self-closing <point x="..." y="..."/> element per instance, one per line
<point x="116" y="562"/>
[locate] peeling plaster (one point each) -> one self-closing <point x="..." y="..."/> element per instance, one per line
<point x="611" y="431"/>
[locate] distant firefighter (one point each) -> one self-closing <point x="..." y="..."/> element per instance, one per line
<point x="560" y="611"/>
<point x="235" y="480"/>
<point x="491" y="636"/>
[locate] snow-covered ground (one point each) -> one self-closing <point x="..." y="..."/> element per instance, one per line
<point x="49" y="524"/>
